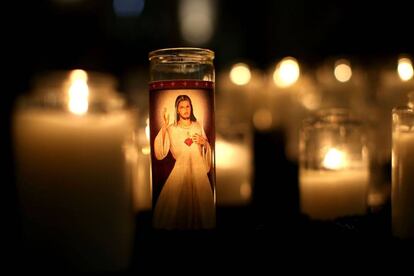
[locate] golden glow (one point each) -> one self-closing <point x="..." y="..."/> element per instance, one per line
<point x="78" y="92"/>
<point x="405" y="69"/>
<point x="310" y="101"/>
<point x="245" y="190"/>
<point x="334" y="159"/>
<point x="78" y="75"/>
<point x="146" y="150"/>
<point x="343" y="71"/>
<point x="287" y="72"/>
<point x="226" y="154"/>
<point x="262" y="119"/>
<point x="240" y="74"/>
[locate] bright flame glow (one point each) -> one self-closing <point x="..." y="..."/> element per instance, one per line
<point x="240" y="74"/>
<point x="196" y="20"/>
<point x="146" y="150"/>
<point x="287" y="72"/>
<point x="343" y="71"/>
<point x="334" y="159"/>
<point x="78" y="75"/>
<point x="226" y="154"/>
<point x="405" y="69"/>
<point x="78" y="92"/>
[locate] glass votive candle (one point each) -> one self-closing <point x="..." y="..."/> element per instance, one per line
<point x="402" y="188"/>
<point x="182" y="138"/>
<point x="334" y="166"/>
<point x="74" y="196"/>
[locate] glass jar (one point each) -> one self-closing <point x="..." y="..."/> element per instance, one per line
<point x="334" y="166"/>
<point x="402" y="188"/>
<point x="74" y="194"/>
<point x="182" y="137"/>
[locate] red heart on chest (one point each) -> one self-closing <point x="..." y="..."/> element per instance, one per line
<point x="188" y="141"/>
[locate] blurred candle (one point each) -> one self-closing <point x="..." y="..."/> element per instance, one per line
<point x="140" y="168"/>
<point x="395" y="84"/>
<point x="334" y="192"/>
<point x="234" y="171"/>
<point x="73" y="189"/>
<point x="402" y="197"/>
<point x="334" y="171"/>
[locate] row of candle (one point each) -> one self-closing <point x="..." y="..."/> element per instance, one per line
<point x="78" y="170"/>
<point x="290" y="92"/>
<point x="83" y="168"/>
<point x="345" y="187"/>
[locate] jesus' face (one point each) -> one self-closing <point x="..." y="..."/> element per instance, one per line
<point x="184" y="110"/>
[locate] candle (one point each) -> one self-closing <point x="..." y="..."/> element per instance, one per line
<point x="138" y="156"/>
<point x="75" y="200"/>
<point x="333" y="194"/>
<point x="394" y="86"/>
<point x="234" y="171"/>
<point x="402" y="196"/>
<point x="334" y="173"/>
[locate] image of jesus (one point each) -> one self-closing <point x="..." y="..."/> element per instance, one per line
<point x="186" y="200"/>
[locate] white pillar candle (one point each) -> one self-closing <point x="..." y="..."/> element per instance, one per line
<point x="328" y="194"/>
<point x="403" y="185"/>
<point x="72" y="184"/>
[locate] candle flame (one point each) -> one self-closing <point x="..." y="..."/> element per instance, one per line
<point x="240" y="74"/>
<point x="78" y="92"/>
<point x="405" y="69"/>
<point x="287" y="72"/>
<point x="334" y="159"/>
<point x="343" y="71"/>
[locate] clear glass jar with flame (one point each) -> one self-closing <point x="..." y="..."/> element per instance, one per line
<point x="334" y="166"/>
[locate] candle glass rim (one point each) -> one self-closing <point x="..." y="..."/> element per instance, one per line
<point x="181" y="55"/>
<point x="332" y="117"/>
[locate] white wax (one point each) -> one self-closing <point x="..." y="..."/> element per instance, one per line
<point x="333" y="194"/>
<point x="73" y="188"/>
<point x="403" y="185"/>
<point x="233" y="173"/>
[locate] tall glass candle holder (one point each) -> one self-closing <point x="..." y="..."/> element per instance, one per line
<point x="402" y="188"/>
<point x="334" y="170"/>
<point x="75" y="200"/>
<point x="182" y="137"/>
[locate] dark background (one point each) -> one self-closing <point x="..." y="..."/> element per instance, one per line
<point x="38" y="36"/>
